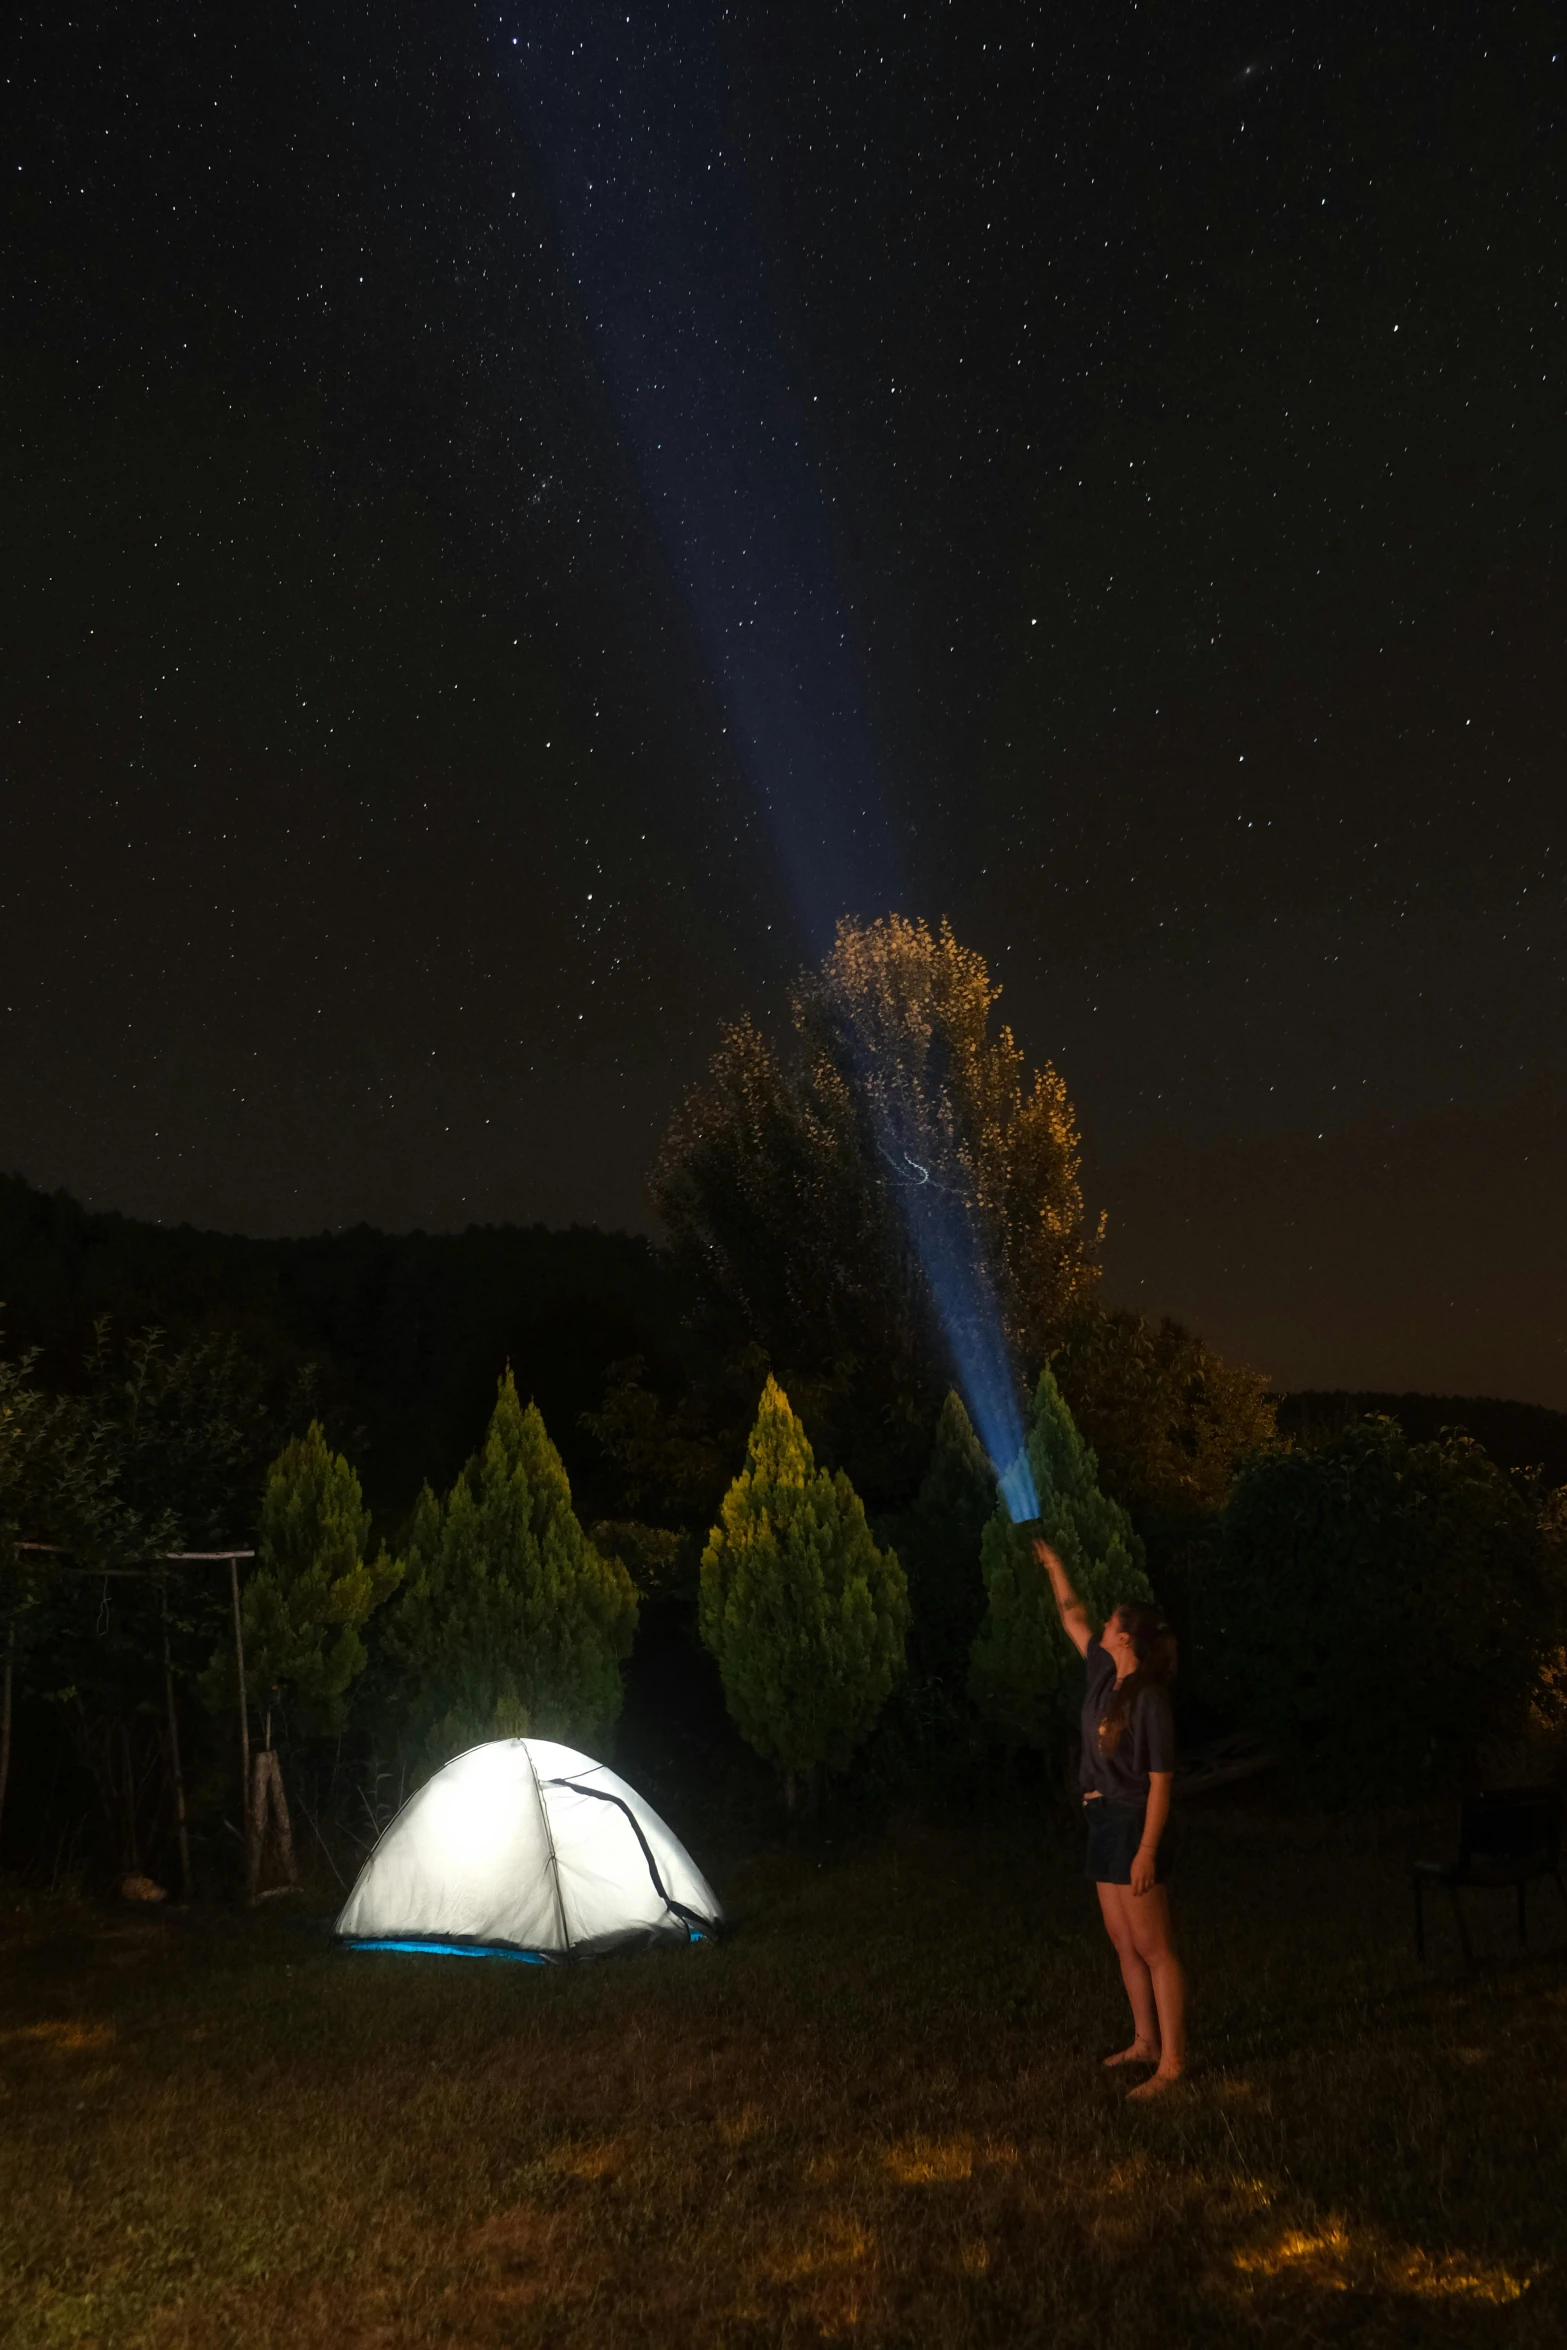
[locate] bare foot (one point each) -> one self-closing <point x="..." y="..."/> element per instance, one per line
<point x="1155" y="2086"/>
<point x="1140" y="2052"/>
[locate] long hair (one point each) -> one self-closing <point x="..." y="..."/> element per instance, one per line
<point x="1153" y="1645"/>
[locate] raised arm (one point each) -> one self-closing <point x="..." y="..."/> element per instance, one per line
<point x="1074" y="1621"/>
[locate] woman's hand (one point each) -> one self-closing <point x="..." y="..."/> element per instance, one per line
<point x="1143" y="1868"/>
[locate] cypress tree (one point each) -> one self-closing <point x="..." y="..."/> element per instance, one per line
<point x="1023" y="1675"/>
<point x="510" y="1621"/>
<point x="313" y="1590"/>
<point x="803" y="1613"/>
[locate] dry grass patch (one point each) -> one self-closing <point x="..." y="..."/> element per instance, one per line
<point x="1336" y="2259"/>
<point x="68" y="2037"/>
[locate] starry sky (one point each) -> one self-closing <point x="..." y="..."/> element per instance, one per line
<point x="516" y="516"/>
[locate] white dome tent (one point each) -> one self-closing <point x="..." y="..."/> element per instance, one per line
<point x="525" y="1849"/>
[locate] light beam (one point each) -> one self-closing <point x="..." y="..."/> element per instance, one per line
<point x="637" y="131"/>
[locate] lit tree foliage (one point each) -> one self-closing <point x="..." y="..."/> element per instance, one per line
<point x="803" y="1613"/>
<point x="305" y="1606"/>
<point x="672" y="1454"/>
<point x="782" y="1177"/>
<point x="510" y="1620"/>
<point x="1025" y="1676"/>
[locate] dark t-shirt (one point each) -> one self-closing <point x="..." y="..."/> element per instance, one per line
<point x="1146" y="1744"/>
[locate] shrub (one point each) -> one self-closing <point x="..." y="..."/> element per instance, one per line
<point x="1380" y="1608"/>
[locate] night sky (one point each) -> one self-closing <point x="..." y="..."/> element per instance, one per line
<point x="515" y="517"/>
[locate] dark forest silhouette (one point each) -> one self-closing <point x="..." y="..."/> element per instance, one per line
<point x="408" y="1330"/>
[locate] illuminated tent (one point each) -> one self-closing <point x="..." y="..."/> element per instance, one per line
<point x="524" y="1849"/>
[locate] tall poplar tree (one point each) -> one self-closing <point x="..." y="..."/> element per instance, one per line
<point x="1023" y="1675"/>
<point x="804" y="1614"/>
<point x="510" y="1622"/>
<point x="785" y="1177"/>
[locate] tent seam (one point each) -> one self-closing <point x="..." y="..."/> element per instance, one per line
<point x="549" y="1839"/>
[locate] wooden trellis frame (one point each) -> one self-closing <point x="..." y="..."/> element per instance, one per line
<point x="261" y="1790"/>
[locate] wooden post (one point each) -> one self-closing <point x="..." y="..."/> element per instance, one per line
<point x="187" y="1882"/>
<point x="272" y="1805"/>
<point x="132" y="1841"/>
<point x="247" y="1799"/>
<point x="256" y="1820"/>
<point x="282" y="1825"/>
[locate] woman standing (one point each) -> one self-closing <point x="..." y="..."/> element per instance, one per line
<point x="1127" y="1772"/>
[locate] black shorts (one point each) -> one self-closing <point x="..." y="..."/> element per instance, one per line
<point x="1115" y="1832"/>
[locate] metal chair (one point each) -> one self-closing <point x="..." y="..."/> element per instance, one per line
<point x="1507" y="1838"/>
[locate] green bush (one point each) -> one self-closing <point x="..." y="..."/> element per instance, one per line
<point x="1024" y="1675"/>
<point x="1381" y="1609"/>
<point x="804" y="1615"/>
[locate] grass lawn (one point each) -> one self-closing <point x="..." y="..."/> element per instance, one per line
<point x="874" y="2116"/>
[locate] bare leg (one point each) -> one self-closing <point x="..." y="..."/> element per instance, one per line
<point x="1135" y="1974"/>
<point x="1148" y="1918"/>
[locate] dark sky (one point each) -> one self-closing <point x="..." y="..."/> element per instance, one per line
<point x="514" y="516"/>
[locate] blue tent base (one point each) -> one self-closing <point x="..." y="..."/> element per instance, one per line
<point x="424" y="1947"/>
<point x="451" y="1949"/>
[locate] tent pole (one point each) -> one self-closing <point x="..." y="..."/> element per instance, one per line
<point x="549" y="1838"/>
